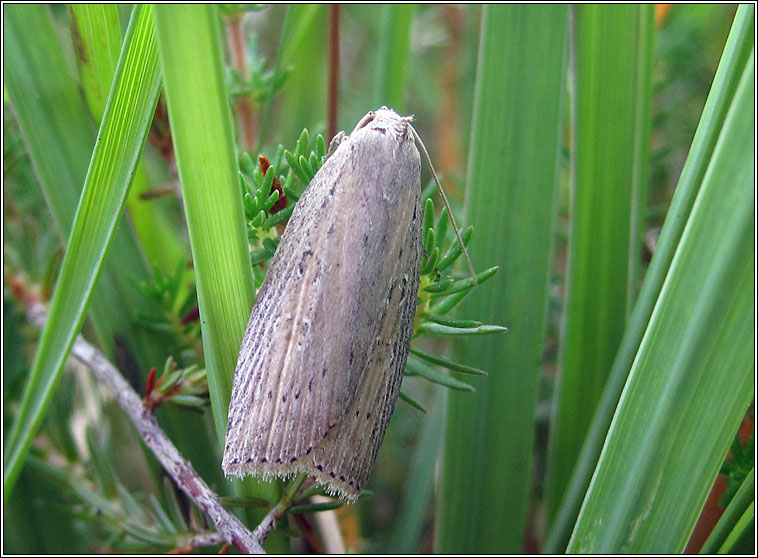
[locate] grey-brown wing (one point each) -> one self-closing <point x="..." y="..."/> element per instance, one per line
<point x="273" y="396"/>
<point x="345" y="458"/>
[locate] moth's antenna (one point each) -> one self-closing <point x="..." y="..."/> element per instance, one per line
<point x="444" y="199"/>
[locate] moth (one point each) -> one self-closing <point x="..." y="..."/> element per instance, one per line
<point x="325" y="349"/>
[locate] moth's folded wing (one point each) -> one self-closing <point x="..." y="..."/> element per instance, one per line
<point x="275" y="397"/>
<point x="363" y="238"/>
<point x="316" y="322"/>
<point x="344" y="459"/>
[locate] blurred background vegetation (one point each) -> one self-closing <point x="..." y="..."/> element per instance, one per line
<point x="89" y="485"/>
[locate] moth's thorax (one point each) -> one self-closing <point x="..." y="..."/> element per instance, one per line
<point x="381" y="148"/>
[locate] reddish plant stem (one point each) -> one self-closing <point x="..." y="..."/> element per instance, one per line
<point x="243" y="104"/>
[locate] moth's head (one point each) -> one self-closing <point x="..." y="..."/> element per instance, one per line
<point x="384" y="118"/>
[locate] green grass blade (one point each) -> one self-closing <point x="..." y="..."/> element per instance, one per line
<point x="693" y="376"/>
<point x="305" y="52"/>
<point x="393" y="51"/>
<point x="192" y="60"/>
<point x="736" y="53"/>
<point x="739" y="504"/>
<point x="118" y="147"/>
<point x="419" y="484"/>
<point x="97" y="38"/>
<point x="741" y="540"/>
<point x="59" y="136"/>
<point x="612" y="65"/>
<point x="96" y="29"/>
<point x="512" y="172"/>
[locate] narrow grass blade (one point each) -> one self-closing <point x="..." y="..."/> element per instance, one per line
<point x="512" y="172"/>
<point x="58" y="134"/>
<point x="96" y="30"/>
<point x="741" y="540"/>
<point x="193" y="72"/>
<point x="418" y="493"/>
<point x="119" y="145"/>
<point x="612" y="65"/>
<point x="307" y="29"/>
<point x="393" y="52"/>
<point x="736" y="53"/>
<point x="739" y="504"/>
<point x="693" y="376"/>
<point x="191" y="58"/>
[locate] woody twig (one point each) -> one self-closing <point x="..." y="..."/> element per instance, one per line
<point x="231" y="529"/>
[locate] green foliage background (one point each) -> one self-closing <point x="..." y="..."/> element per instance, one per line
<point x="605" y="165"/>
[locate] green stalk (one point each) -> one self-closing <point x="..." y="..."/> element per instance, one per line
<point x="512" y="172"/>
<point x="741" y="540"/>
<point x="97" y="37"/>
<point x="612" y="65"/>
<point x="391" y="75"/>
<point x="191" y="55"/>
<point x="693" y="376"/>
<point x="740" y="503"/>
<point x="736" y="53"/>
<point x="306" y="53"/>
<point x="117" y="150"/>
<point x="58" y="134"/>
<point x="96" y="30"/>
<point x="419" y="485"/>
<point x="201" y="126"/>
